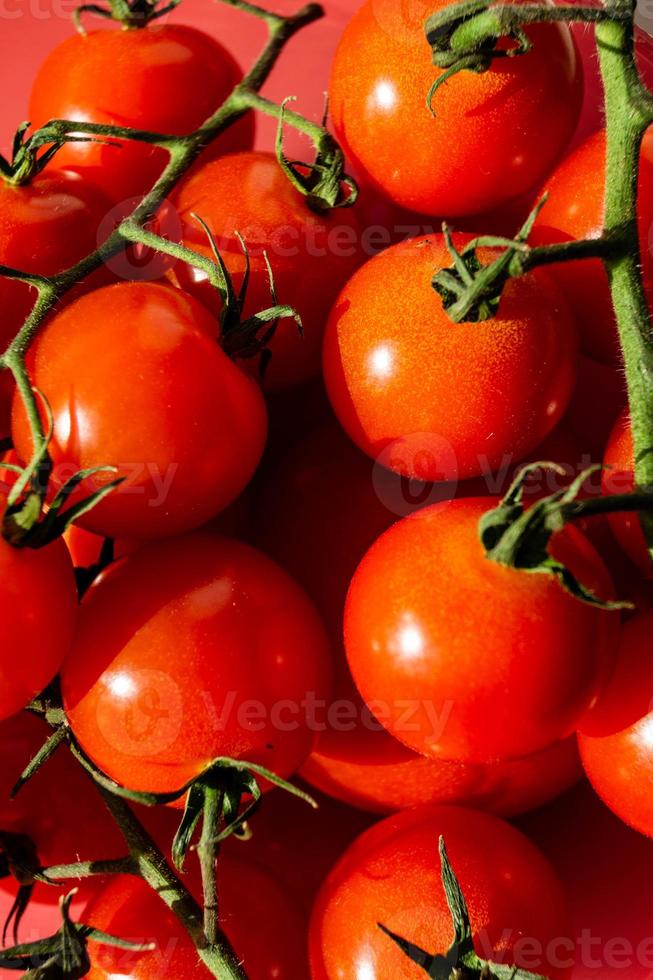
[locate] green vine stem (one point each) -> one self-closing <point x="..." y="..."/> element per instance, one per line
<point x="465" y="37"/>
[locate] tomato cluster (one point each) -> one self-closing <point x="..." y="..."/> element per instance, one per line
<point x="287" y="577"/>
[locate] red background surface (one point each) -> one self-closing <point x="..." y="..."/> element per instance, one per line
<point x="608" y="869"/>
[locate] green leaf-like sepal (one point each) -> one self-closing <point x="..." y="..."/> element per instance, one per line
<point x="461" y="960"/>
<point x="519" y="537"/>
<point x="470" y="290"/>
<point x="63" y="956"/>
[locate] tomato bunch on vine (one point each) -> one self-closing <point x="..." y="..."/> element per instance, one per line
<point x="289" y="519"/>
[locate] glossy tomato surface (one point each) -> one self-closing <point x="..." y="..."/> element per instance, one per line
<point x="257" y="915"/>
<point x="391" y="875"/>
<point x="165" y="78"/>
<point x="619" y="477"/>
<point x="190" y="650"/>
<point x="575" y="210"/>
<point x="462" y="658"/>
<point x="136" y="380"/>
<point x="38" y="606"/>
<point x="616" y="742"/>
<point x="491" y="137"/>
<point x="311" y="255"/>
<point x="393" y="361"/>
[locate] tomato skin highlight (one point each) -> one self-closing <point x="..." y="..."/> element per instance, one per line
<point x="189" y="650"/>
<point x="46" y="226"/>
<point x="575" y="210"/>
<point x="311" y="255"/>
<point x="418" y="603"/>
<point x="155" y="396"/>
<point x="619" y="477"/>
<point x="392" y="359"/>
<point x="38" y="605"/>
<point x="391" y="875"/>
<point x="258" y="916"/>
<point x="453" y="164"/>
<point x="164" y="78"/>
<point x="615" y="741"/>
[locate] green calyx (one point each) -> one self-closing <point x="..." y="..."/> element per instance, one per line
<point x="323" y="183"/>
<point x="27" y="522"/>
<point x="132" y="14"/>
<point x="461" y="961"/>
<point x="245" y="337"/>
<point x="518" y="537"/>
<point x="63" y="956"/>
<point x="470" y="290"/>
<point x="31" y="154"/>
<point x="467" y="36"/>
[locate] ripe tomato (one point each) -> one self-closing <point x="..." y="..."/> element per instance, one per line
<point x="190" y="650"/>
<point x="312" y="255"/>
<point x="575" y="209"/>
<point x="419" y="603"/>
<point x="494" y="135"/>
<point x="598" y="399"/>
<point x="616" y="740"/>
<point x="164" y="78"/>
<point x="260" y="920"/>
<point x="38" y="605"/>
<point x="437" y="400"/>
<point x="618" y="477"/>
<point x="45" y="227"/>
<point x="319" y="511"/>
<point x="154" y="395"/>
<point x="393" y="777"/>
<point x="391" y="875"/>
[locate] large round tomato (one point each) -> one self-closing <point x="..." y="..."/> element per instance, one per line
<point x="462" y="658"/>
<point x="619" y="477"/>
<point x="260" y="921"/>
<point x="164" y="78"/>
<point x="319" y="511"/>
<point x="46" y="226"/>
<point x="616" y="741"/>
<point x="575" y="210"/>
<point x="494" y="135"/>
<point x="135" y="379"/>
<point x="439" y="400"/>
<point x="192" y="649"/>
<point x="311" y="255"/>
<point x="38" y="606"/>
<point x="391" y="875"/>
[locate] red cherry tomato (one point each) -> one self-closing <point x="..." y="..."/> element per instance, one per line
<point x="319" y="511"/>
<point x="163" y="78"/>
<point x="464" y="659"/>
<point x="618" y="477"/>
<point x="391" y="875"/>
<point x="616" y="741"/>
<point x="312" y="255"/>
<point x="38" y="605"/>
<point x="598" y="399"/>
<point x="154" y="396"/>
<point x="494" y="135"/>
<point x="46" y="226"/>
<point x="575" y="209"/>
<point x="437" y="400"/>
<point x="258" y="917"/>
<point x="190" y="650"/>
